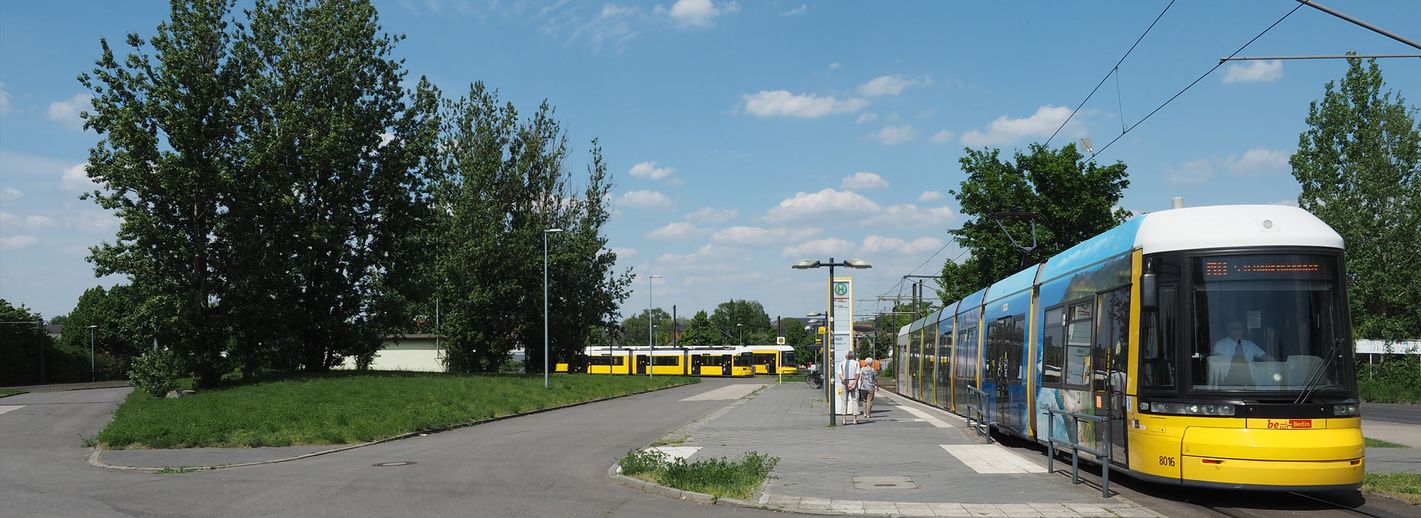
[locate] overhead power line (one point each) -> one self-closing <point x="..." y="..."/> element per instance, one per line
<point x="1197" y="80"/>
<point x="1113" y="70"/>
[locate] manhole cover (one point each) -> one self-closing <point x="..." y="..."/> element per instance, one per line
<point x="884" y="482"/>
<point x="395" y="463"/>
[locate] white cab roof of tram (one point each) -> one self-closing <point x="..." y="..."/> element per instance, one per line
<point x="1227" y="226"/>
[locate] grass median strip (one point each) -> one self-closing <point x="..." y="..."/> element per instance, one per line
<point x="1404" y="486"/>
<point x="348" y="407"/>
<point x="1378" y="443"/>
<point x="10" y="392"/>
<point x="719" y="477"/>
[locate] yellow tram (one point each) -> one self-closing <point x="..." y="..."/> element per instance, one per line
<point x="734" y="362"/>
<point x="773" y="359"/>
<point x="1213" y="342"/>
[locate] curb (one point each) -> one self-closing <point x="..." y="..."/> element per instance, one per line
<point x="96" y="453"/>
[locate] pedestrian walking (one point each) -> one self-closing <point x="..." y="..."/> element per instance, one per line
<point x="868" y="386"/>
<point x="848" y="377"/>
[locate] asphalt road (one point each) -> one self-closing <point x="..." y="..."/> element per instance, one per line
<point x="1405" y="414"/>
<point x="549" y="464"/>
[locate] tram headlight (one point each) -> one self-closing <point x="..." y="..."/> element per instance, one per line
<point x="1203" y="409"/>
<point x="1345" y="410"/>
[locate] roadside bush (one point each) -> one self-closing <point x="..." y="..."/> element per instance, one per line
<point x="155" y="372"/>
<point x="1396" y="380"/>
<point x="718" y="477"/>
<point x="638" y="462"/>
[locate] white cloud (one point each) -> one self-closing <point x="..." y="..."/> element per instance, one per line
<point x="909" y="214"/>
<point x="77" y="179"/>
<point x="698" y="13"/>
<point x="10" y="193"/>
<point x="1254" y="72"/>
<point x="1005" y="131"/>
<point x="613" y="24"/>
<point x="819" y="247"/>
<point x="712" y="215"/>
<point x="863" y="180"/>
<point x="649" y="170"/>
<point x="1254" y="161"/>
<point x="930" y="196"/>
<point x="677" y="230"/>
<point x="67" y="112"/>
<point x="4" y="100"/>
<point x="803" y="8"/>
<point x="756" y="236"/>
<point x="890" y="85"/>
<point x="95" y="220"/>
<point x="866" y="117"/>
<point x="878" y="244"/>
<point x="781" y="103"/>
<point x="893" y="135"/>
<point x="17" y="242"/>
<point x="36" y="221"/>
<point x="854" y="208"/>
<point x="826" y="202"/>
<point x="1193" y="171"/>
<point x="1291" y="202"/>
<point x="834" y="66"/>
<point x="1258" y="160"/>
<point x="645" y="199"/>
<point x="943" y="137"/>
<point x="624" y="253"/>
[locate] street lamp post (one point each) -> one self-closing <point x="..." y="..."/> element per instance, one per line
<point x="93" y="376"/>
<point x="545" y="302"/>
<point x="807" y="264"/>
<point x="650" y="328"/>
<point x="740" y="329"/>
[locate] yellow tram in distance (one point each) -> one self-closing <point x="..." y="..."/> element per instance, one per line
<point x="1207" y="347"/>
<point x="773" y="359"/>
<point x="729" y="362"/>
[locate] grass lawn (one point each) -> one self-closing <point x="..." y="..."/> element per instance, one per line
<point x="10" y="392"/>
<point x="348" y="407"/>
<point x="1404" y="486"/>
<point x="1378" y="443"/>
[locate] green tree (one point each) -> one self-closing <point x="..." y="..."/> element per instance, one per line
<point x="1071" y="197"/>
<point x="634" y="328"/>
<point x="330" y="136"/>
<point x="738" y="319"/>
<point x="796" y="336"/>
<point x="499" y="184"/>
<point x="121" y="330"/>
<point x="166" y="122"/>
<point x="27" y="354"/>
<point x="699" y="331"/>
<point x="1359" y="165"/>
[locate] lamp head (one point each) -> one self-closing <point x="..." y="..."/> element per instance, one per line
<point x="552" y="231"/>
<point x="805" y="264"/>
<point x="857" y="263"/>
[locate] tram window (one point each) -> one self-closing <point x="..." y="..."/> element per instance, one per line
<point x="1110" y="352"/>
<point x="1078" y="344"/>
<point x="663" y="361"/>
<point x="1266" y="322"/>
<point x="1054" y="333"/>
<point x="1015" y="351"/>
<point x="1157" y="350"/>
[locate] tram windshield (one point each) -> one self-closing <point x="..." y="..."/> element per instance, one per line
<point x="1266" y="323"/>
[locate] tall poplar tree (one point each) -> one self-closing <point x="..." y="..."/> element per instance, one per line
<point x="1359" y="164"/>
<point x="165" y="116"/>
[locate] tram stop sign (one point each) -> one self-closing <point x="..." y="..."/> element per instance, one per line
<point x="779" y="340"/>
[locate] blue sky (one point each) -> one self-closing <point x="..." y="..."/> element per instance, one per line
<point x="744" y="136"/>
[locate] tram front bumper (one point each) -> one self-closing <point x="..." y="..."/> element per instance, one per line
<point x="1273" y="459"/>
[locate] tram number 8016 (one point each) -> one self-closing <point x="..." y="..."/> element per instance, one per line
<point x="1165" y="460"/>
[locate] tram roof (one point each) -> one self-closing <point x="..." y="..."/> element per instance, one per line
<point x="1017" y="282"/>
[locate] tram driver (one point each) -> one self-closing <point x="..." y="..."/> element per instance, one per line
<point x="1235" y="346"/>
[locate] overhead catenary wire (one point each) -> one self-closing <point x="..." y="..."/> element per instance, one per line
<point x="1113" y="70"/>
<point x="1195" y="82"/>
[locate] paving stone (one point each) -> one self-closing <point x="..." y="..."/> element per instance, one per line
<point x="984" y="509"/>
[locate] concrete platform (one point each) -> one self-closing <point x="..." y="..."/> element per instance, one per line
<point x="899" y="463"/>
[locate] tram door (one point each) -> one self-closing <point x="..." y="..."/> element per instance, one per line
<point x="1110" y="355"/>
<point x="641" y="363"/>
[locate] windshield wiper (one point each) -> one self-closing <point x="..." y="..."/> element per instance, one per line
<point x="1318" y="375"/>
